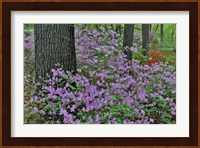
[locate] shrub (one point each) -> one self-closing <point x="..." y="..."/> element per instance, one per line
<point x="170" y="57"/>
<point x="147" y="98"/>
<point x="156" y="56"/>
<point x="139" y="57"/>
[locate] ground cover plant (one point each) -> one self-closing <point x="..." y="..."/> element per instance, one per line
<point x="108" y="86"/>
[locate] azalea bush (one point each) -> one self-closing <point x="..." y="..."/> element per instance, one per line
<point x="106" y="89"/>
<point x="157" y="56"/>
<point x="148" y="98"/>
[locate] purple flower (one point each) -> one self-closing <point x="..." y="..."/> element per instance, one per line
<point x="35" y="109"/>
<point x="91" y="73"/>
<point x="141" y="96"/>
<point x="63" y="112"/>
<point x="72" y="109"/>
<point x="138" y="122"/>
<point x="90" y="119"/>
<point x="143" y="113"/>
<point x="151" y="120"/>
<point x="97" y="118"/>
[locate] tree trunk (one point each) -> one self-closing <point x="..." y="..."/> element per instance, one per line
<point x="128" y="39"/>
<point x="117" y="29"/>
<point x="161" y="34"/>
<point x="54" y="43"/>
<point x="145" y="39"/>
<point x="120" y="29"/>
<point x="173" y="32"/>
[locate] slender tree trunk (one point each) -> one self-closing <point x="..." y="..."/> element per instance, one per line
<point x="117" y="29"/>
<point x="161" y="34"/>
<point x="54" y="43"/>
<point x="128" y="39"/>
<point x="145" y="39"/>
<point x="120" y="30"/>
<point x="173" y="33"/>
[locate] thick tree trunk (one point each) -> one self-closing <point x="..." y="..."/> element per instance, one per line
<point x="161" y="34"/>
<point x="54" y="43"/>
<point x="145" y="39"/>
<point x="128" y="39"/>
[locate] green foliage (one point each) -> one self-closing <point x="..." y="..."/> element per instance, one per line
<point x="170" y="56"/>
<point x="141" y="58"/>
<point x="155" y="41"/>
<point x="119" y="113"/>
<point x="31" y="118"/>
<point x="169" y="38"/>
<point x="28" y="26"/>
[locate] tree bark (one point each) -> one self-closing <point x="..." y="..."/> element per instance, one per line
<point x="54" y="43"/>
<point x="145" y="39"/>
<point x="128" y="39"/>
<point x="161" y="34"/>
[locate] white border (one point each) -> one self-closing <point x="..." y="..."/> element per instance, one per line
<point x="180" y="129"/>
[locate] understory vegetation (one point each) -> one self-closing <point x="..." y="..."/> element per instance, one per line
<point x="106" y="88"/>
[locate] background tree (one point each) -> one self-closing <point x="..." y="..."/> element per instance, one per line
<point x="54" y="43"/>
<point x="119" y="29"/>
<point x="145" y="39"/>
<point x="150" y="27"/>
<point x="161" y="34"/>
<point x="128" y="39"/>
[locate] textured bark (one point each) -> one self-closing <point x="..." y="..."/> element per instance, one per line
<point x="161" y="34"/>
<point x="54" y="43"/>
<point x="128" y="39"/>
<point x="145" y="39"/>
